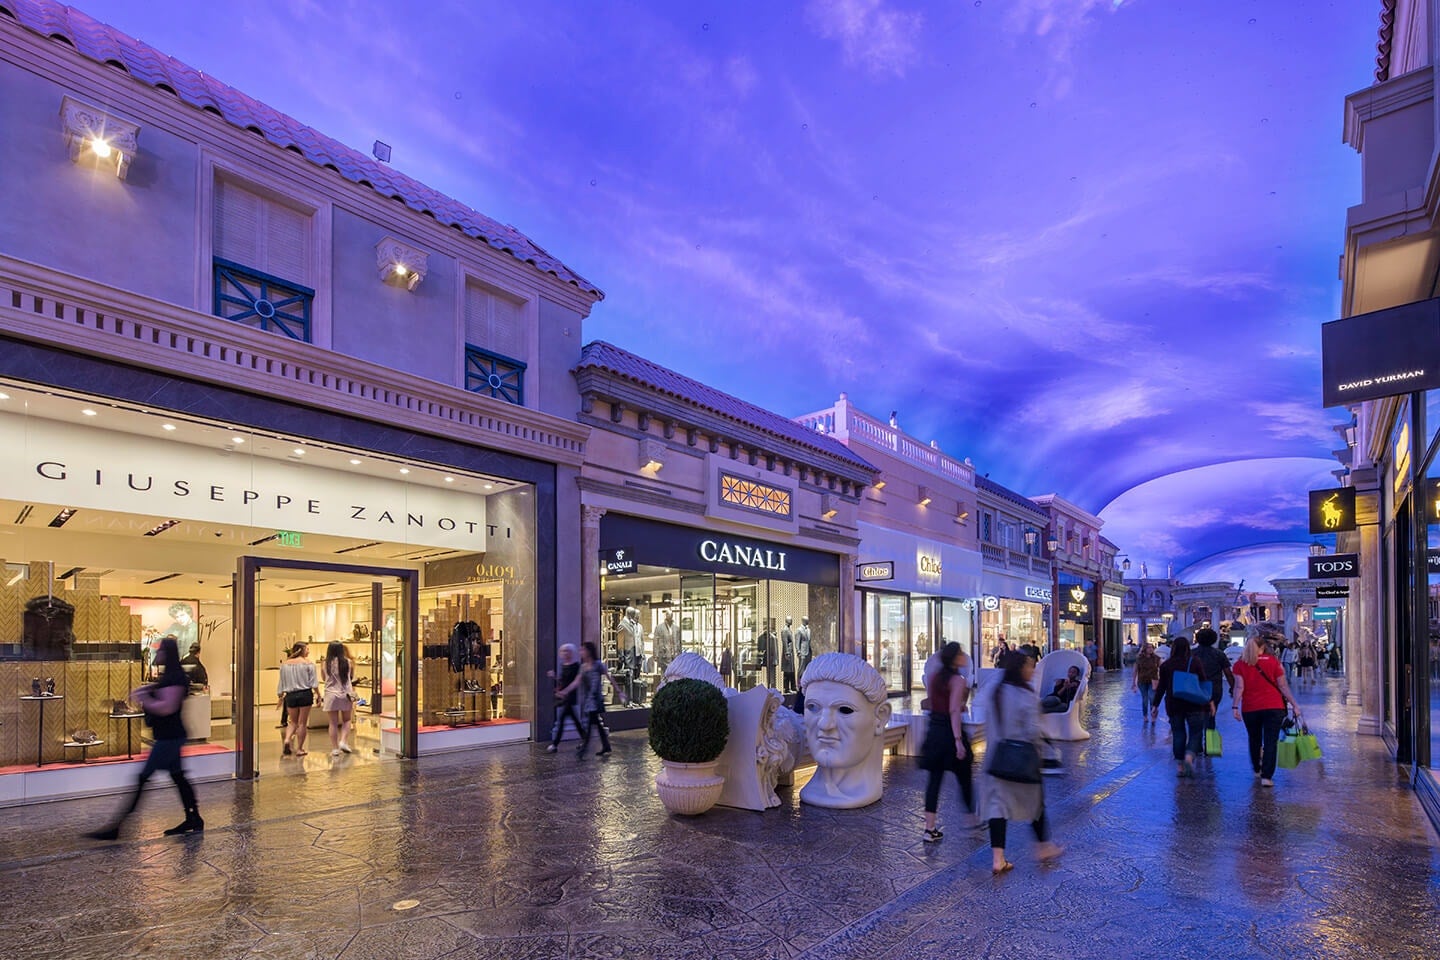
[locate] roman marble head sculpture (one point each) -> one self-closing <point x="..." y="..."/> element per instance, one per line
<point x="693" y="666"/>
<point x="845" y="717"/>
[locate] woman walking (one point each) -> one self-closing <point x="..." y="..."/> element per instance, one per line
<point x="296" y="691"/>
<point x="1015" y="715"/>
<point x="590" y="682"/>
<point x="1187" y="720"/>
<point x="1261" y="693"/>
<point x="1307" y="664"/>
<point x="339" y="696"/>
<point x="161" y="702"/>
<point x="1145" y="679"/>
<point x="947" y="748"/>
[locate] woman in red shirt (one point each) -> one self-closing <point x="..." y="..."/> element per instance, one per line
<point x="1261" y="694"/>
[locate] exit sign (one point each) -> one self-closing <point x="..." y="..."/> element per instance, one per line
<point x="289" y="538"/>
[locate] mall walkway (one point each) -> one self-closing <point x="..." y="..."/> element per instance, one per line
<point x="515" y="853"/>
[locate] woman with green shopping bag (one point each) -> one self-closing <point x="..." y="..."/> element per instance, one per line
<point x="1261" y="695"/>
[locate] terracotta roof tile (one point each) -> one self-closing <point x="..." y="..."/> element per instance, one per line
<point x="607" y="356"/>
<point x="105" y="44"/>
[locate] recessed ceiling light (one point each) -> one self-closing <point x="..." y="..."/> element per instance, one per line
<point x="88" y="412"/>
<point x="449" y="479"/>
<point x="237" y="439"/>
<point x="404" y="469"/>
<point x="4" y="396"/>
<point x="167" y="426"/>
<point x="299" y="452"/>
<point x="489" y="486"/>
<point x="354" y="462"/>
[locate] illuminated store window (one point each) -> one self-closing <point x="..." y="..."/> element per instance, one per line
<point x="754" y="496"/>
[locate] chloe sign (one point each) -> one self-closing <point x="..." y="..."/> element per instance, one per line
<point x="1335" y="565"/>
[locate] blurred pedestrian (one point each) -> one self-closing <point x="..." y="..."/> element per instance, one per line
<point x="1145" y="679"/>
<point x="1015" y="715"/>
<point x="564" y="702"/>
<point x="162" y="701"/>
<point x="1217" y="668"/>
<point x="339" y="696"/>
<point x="1187" y="720"/>
<point x="590" y="681"/>
<point x="1261" y="693"/>
<point x="947" y="748"/>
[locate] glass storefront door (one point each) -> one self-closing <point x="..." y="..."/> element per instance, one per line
<point x="886" y="636"/>
<point x="369" y="614"/>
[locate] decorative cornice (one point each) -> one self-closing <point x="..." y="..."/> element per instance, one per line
<point x="1385" y="98"/>
<point x="635" y="495"/>
<point x="401" y="264"/>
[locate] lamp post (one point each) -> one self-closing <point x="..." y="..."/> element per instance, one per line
<point x="1052" y="545"/>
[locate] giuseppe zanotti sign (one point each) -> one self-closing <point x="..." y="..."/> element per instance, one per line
<point x="54" y="462"/>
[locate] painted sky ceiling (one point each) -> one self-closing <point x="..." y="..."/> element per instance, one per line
<point x="1087" y="243"/>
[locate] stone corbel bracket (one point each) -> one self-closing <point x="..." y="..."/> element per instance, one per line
<point x="86" y="126"/>
<point x="401" y="264"/>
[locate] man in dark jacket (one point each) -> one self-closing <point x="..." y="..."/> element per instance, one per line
<point x="1216" y="665"/>
<point x="565" y="707"/>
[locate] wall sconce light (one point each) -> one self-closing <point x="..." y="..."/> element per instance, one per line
<point x="925" y="497"/>
<point x="829" y="506"/>
<point x="879" y="484"/>
<point x="400" y="264"/>
<point x="1031" y="536"/>
<point x="962" y="512"/>
<point x="95" y="136"/>
<point x="652" y="455"/>
<point x="1051" y="544"/>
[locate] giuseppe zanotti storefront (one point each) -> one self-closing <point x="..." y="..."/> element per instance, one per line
<point x="122" y="522"/>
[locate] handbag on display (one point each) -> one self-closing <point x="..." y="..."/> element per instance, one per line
<point x="1307" y="746"/>
<point x="84" y="736"/>
<point x="1187" y="686"/>
<point x="1287" y="754"/>
<point x="1212" y="742"/>
<point x="1017" y="761"/>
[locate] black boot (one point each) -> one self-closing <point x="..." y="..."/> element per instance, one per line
<point x="192" y="824"/>
<point x="111" y="832"/>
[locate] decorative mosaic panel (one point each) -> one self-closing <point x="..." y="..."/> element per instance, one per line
<point x="759" y="497"/>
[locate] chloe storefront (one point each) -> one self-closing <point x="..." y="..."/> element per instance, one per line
<point x="122" y="522"/>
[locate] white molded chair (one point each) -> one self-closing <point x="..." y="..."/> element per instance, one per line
<point x="1055" y="666"/>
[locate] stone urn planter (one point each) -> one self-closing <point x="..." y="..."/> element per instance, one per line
<point x="688" y="789"/>
<point x="689" y="724"/>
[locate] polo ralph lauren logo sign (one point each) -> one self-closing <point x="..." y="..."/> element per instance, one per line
<point x="1335" y="565"/>
<point x="1332" y="511"/>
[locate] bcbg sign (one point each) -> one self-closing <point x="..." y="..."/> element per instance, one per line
<point x="1335" y="565"/>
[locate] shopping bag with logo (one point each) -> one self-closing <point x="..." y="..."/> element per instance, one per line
<point x="1190" y="688"/>
<point x="1307" y="747"/>
<point x="1287" y="754"/>
<point x="1212" y="742"/>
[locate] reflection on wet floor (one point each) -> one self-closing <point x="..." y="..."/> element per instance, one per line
<point x="513" y="852"/>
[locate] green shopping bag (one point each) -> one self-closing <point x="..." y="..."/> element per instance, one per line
<point x="1307" y="747"/>
<point x="1287" y="754"/>
<point x="1212" y="742"/>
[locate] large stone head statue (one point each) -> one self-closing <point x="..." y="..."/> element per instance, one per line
<point x="845" y="717"/>
<point x="692" y="666"/>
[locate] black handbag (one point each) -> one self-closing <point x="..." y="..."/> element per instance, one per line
<point x="1017" y="761"/>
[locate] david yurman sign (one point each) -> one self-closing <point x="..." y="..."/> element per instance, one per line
<point x="1381" y="354"/>
<point x="1335" y="565"/>
<point x="1331" y="593"/>
<point x="1332" y="511"/>
<point x="867" y="572"/>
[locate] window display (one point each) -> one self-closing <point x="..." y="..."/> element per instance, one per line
<point x="1017" y="622"/>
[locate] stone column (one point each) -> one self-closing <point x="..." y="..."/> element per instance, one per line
<point x="848" y="636"/>
<point x="1365" y="610"/>
<point x="590" y="574"/>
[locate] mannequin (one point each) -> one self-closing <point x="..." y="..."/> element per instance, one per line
<point x="802" y="643"/>
<point x="665" y="639"/>
<point x="765" y="650"/>
<point x="787" y="655"/>
<point x="629" y="635"/>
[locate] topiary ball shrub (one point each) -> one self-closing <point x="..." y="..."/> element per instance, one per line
<point x="689" y="722"/>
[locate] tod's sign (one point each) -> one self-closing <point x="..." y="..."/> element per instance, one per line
<point x="1335" y="565"/>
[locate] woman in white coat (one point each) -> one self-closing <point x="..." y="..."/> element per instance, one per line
<point x="1014" y="715"/>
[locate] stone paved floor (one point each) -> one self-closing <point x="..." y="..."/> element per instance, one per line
<point x="513" y="853"/>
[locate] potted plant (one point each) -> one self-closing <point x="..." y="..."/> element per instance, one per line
<point x="689" y="724"/>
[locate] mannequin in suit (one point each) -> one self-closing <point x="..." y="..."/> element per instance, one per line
<point x="802" y="643"/>
<point x="787" y="655"/>
<point x="765" y="646"/>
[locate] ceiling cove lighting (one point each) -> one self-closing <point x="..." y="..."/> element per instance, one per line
<point x="161" y="527"/>
<point x="4" y="395"/>
<point x="88" y="412"/>
<point x="167" y="426"/>
<point x="63" y="517"/>
<point x="99" y="138"/>
<point x="354" y="462"/>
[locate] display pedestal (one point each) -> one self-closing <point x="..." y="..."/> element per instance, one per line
<point x="195" y="714"/>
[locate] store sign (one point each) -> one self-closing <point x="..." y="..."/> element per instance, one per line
<point x="55" y="462"/>
<point x="1332" y="511"/>
<point x="870" y="572"/>
<point x="618" y="561"/>
<point x="1334" y="593"/>
<point x="1075" y="604"/>
<point x="1327" y="613"/>
<point x="1381" y="354"/>
<point x="989" y="602"/>
<point x="1040" y="594"/>
<point x="748" y="556"/>
<point x="1335" y="565"/>
<point x="1110" y="608"/>
<point x="1432" y="561"/>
